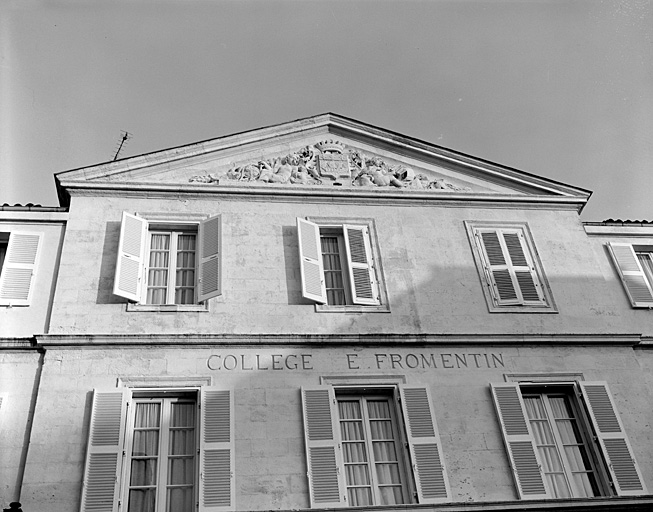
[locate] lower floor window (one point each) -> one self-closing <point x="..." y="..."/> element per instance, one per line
<point x="369" y="436"/>
<point x="564" y="453"/>
<point x="162" y="456"/>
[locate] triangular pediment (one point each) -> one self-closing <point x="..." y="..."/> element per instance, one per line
<point x="321" y="153"/>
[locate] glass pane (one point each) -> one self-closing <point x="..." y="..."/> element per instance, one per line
<point x="558" y="485"/>
<point x="181" y="471"/>
<point x="378" y="409"/>
<point x="354" y="452"/>
<point x="351" y="430"/>
<point x="182" y="442"/>
<point x="180" y="500"/>
<point x="183" y="415"/>
<point x="384" y="451"/>
<point x="143" y="472"/>
<point x="586" y="485"/>
<point x="357" y="474"/>
<point x="561" y="407"/>
<point x="142" y="500"/>
<point x="391" y="495"/>
<point x="388" y="473"/>
<point x="381" y="429"/>
<point x="360" y="496"/>
<point x="349" y="410"/>
<point x="146" y="443"/>
<point x="147" y="415"/>
<point x="647" y="265"/>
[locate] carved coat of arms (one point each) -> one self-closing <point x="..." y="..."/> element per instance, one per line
<point x="334" y="166"/>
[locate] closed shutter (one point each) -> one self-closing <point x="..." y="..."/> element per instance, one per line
<point x="361" y="265"/>
<point x="639" y="290"/>
<point x="520" y="443"/>
<point x="210" y="268"/>
<point x="101" y="489"/>
<point x="610" y="433"/>
<point x="322" y="441"/>
<point x="19" y="269"/>
<point x="310" y="261"/>
<point x="131" y="257"/>
<point x="509" y="267"/>
<point x="425" y="446"/>
<point x="216" y="450"/>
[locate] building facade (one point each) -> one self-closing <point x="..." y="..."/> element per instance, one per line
<point x="325" y="314"/>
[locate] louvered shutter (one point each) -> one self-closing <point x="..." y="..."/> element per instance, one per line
<point x="101" y="488"/>
<point x="210" y="268"/>
<point x="19" y="269"/>
<point x="216" y="484"/>
<point x="610" y="433"/>
<point x="360" y="265"/>
<point x="519" y="440"/>
<point x="310" y="261"/>
<point x="322" y="441"/>
<point x="511" y="273"/>
<point x="639" y="290"/>
<point x="131" y="257"/>
<point x="425" y="446"/>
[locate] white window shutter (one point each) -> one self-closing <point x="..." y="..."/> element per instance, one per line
<point x="322" y="440"/>
<point x="425" y="445"/>
<point x="216" y="485"/>
<point x="131" y="257"/>
<point x="610" y="433"/>
<point x="497" y="267"/>
<point x="210" y="267"/>
<point x="19" y="268"/>
<point x="310" y="261"/>
<point x="519" y="440"/>
<point x="101" y="489"/>
<point x="639" y="290"/>
<point x="523" y="268"/>
<point x="361" y="266"/>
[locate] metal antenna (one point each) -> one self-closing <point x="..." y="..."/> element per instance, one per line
<point x="125" y="136"/>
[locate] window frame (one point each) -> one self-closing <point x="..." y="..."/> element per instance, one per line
<point x="338" y="225"/>
<point x="208" y="235"/>
<point x="495" y="304"/>
<point x="424" y="476"/>
<point x="635" y="281"/>
<point x="599" y="424"/>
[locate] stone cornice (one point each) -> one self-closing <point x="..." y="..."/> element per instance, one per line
<point x="323" y="340"/>
<point x="57" y="217"/>
<point x="331" y="195"/>
<point x="618" y="230"/>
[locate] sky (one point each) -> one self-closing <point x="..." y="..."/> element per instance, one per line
<point x="562" y="89"/>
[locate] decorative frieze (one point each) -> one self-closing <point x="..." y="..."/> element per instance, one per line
<point x="330" y="162"/>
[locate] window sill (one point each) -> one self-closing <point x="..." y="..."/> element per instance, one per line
<point x="169" y="308"/>
<point x="521" y="309"/>
<point x="325" y="308"/>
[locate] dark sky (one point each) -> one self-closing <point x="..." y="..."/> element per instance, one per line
<point x="562" y="89"/>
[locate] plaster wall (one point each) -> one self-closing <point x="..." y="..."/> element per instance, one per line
<point x="431" y="278"/>
<point x="270" y="462"/>
<point x="25" y="321"/>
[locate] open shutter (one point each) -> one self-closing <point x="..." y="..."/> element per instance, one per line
<point x="632" y="275"/>
<point x="210" y="269"/>
<point x="361" y="265"/>
<point x="101" y="489"/>
<point x="511" y="273"/>
<point x="19" y="269"/>
<point x="322" y="441"/>
<point x="610" y="433"/>
<point x="310" y="261"/>
<point x="216" y="450"/>
<point x="520" y="443"/>
<point x="425" y="446"/>
<point x="131" y="257"/>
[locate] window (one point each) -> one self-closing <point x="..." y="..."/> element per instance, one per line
<point x="355" y="438"/>
<point x="512" y="275"/>
<point x="635" y="266"/>
<point x="548" y="431"/>
<point x="168" y="440"/>
<point x="340" y="266"/>
<point x="168" y="263"/>
<point x="19" y="253"/>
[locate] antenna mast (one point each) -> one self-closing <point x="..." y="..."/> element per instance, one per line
<point x="125" y="136"/>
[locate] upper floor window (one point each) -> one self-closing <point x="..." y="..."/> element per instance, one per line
<point x="635" y="266"/>
<point x="340" y="265"/>
<point x="168" y="262"/>
<point x="19" y="252"/>
<point x="366" y="446"/>
<point x="509" y="267"/>
<point x="557" y="436"/>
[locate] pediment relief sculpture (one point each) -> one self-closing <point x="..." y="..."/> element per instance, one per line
<point x="330" y="162"/>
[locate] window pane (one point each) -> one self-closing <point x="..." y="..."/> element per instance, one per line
<point x="349" y="410"/>
<point x="143" y="472"/>
<point x="388" y="473"/>
<point x="378" y="409"/>
<point x="357" y="474"/>
<point x="384" y="451"/>
<point x="185" y="275"/>
<point x="181" y="471"/>
<point x="354" y="452"/>
<point x="391" y="495"/>
<point x="182" y="442"/>
<point x="360" y="496"/>
<point x="180" y="499"/>
<point x="183" y="415"/>
<point x="351" y="430"/>
<point x="142" y="500"/>
<point x="146" y="443"/>
<point x="333" y="278"/>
